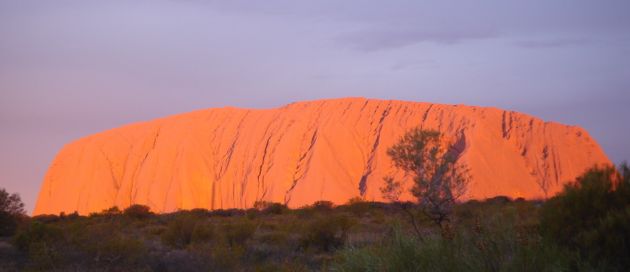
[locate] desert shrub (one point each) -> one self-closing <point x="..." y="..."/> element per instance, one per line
<point x="138" y="211"/>
<point x="308" y="211"/>
<point x="274" y="238"/>
<point x="358" y="206"/>
<point x="214" y="257"/>
<point x="11" y="212"/>
<point x="499" y="199"/>
<point x="226" y="213"/>
<point x="45" y="218"/>
<point x="203" y="232"/>
<point x="399" y="252"/>
<point x="109" y="212"/>
<point x="304" y="212"/>
<point x="42" y="244"/>
<point x="43" y="256"/>
<point x="326" y="232"/>
<point x="592" y="217"/>
<point x="355" y="200"/>
<point x="201" y="212"/>
<point x="470" y="212"/>
<point x="252" y="213"/>
<point x="186" y="229"/>
<point x="36" y="232"/>
<point x="239" y="231"/>
<point x="490" y="247"/>
<point x="227" y="258"/>
<point x="276" y="208"/>
<point x="71" y="216"/>
<point x="119" y="250"/>
<point x="270" y="247"/>
<point x="113" y="211"/>
<point x="270" y="207"/>
<point x="179" y="231"/>
<point x="505" y="240"/>
<point x="323" y="205"/>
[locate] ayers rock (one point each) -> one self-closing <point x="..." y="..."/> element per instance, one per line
<point x="303" y="152"/>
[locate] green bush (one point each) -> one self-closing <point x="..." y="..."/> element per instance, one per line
<point x="186" y="229"/>
<point x="323" y="205"/>
<point x="201" y="212"/>
<point x="138" y="211"/>
<point x="203" y="232"/>
<point x="274" y="238"/>
<point x="327" y="232"/>
<point x="592" y="217"/>
<point x="46" y="218"/>
<point x="270" y="207"/>
<point x="491" y="247"/>
<point x="113" y="211"/>
<point x="358" y="206"/>
<point x="42" y="244"/>
<point x="119" y="250"/>
<point x="239" y="231"/>
<point x="400" y="252"/>
<point x="36" y="232"/>
<point x="44" y="256"/>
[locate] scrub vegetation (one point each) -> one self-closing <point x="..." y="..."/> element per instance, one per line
<point x="585" y="228"/>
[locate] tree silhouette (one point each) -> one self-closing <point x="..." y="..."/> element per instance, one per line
<point x="11" y="212"/>
<point x="438" y="180"/>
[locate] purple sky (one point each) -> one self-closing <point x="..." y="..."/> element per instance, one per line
<point x="72" y="68"/>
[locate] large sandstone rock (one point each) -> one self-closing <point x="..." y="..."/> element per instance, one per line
<point x="303" y="152"/>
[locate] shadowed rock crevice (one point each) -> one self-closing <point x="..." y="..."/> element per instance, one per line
<point x="372" y="153"/>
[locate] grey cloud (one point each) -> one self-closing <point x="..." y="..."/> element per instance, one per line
<point x="374" y="40"/>
<point x="549" y="43"/>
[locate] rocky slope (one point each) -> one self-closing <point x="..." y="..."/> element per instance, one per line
<point x="303" y="152"/>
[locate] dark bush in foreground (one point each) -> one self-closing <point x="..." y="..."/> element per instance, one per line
<point x="8" y="224"/>
<point x="226" y="213"/>
<point x="270" y="207"/>
<point x="358" y="206"/>
<point x="37" y="232"/>
<point x="138" y="211"/>
<point x="592" y="216"/>
<point x="323" y="205"/>
<point x="187" y="229"/>
<point x="327" y="232"/>
<point x="238" y="232"/>
<point x="495" y="246"/>
<point x="499" y="199"/>
<point x="46" y="218"/>
<point x="113" y="211"/>
<point x="118" y="250"/>
<point x="41" y="243"/>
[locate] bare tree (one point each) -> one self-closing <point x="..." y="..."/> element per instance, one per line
<point x="438" y="180"/>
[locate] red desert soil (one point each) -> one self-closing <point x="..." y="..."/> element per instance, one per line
<point x="303" y="152"/>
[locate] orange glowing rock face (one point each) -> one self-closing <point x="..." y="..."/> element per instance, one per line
<point x="303" y="152"/>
